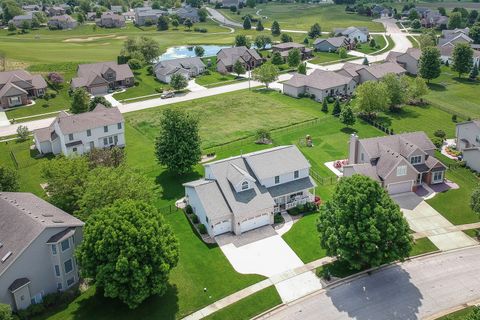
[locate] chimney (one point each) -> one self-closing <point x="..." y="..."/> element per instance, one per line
<point x="352" y="150"/>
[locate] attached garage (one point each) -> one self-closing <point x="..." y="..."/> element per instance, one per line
<point x="400" y="187"/>
<point x="255" y="222"/>
<point x="99" y="90"/>
<point x="222" y="227"/>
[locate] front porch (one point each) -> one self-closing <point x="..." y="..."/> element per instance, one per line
<point x="292" y="200"/>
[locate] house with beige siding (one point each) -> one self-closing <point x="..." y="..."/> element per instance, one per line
<point x="468" y="142"/>
<point x="18" y="87"/>
<point x="400" y="163"/>
<point x="37" y="245"/>
<point x="408" y="60"/>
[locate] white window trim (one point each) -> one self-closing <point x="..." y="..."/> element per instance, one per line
<point x="69" y="245"/>
<point x="419" y="157"/>
<point x="401" y="171"/>
<point x="441" y="176"/>
<point x="73" y="267"/>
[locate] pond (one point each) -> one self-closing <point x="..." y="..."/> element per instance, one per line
<point x="188" y="52"/>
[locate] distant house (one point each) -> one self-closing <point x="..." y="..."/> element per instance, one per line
<point x="110" y="20"/>
<point x="38" y="244"/>
<point x="320" y="83"/>
<point x="99" y="78"/>
<point x="361" y="34"/>
<point x="408" y="60"/>
<point x="129" y="15"/>
<point x="381" y="11"/>
<point x="285" y="47"/>
<point x="188" y="12"/>
<point x="32" y="7"/>
<point x="449" y="38"/>
<point x="116" y="9"/>
<point x="56" y="11"/>
<point x="227" y="57"/>
<point x="232" y="3"/>
<point x="468" y="142"/>
<point x="188" y="67"/>
<point x="400" y="163"/>
<point x="433" y="19"/>
<point x="76" y="134"/>
<point x="146" y="15"/>
<point x="378" y="71"/>
<point x="91" y="16"/>
<point x="62" y="22"/>
<point x="18" y="21"/>
<point x="18" y="86"/>
<point x="332" y="44"/>
<point x="447" y="51"/>
<point x="244" y="192"/>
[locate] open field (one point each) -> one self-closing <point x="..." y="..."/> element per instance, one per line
<point x="287" y="15"/>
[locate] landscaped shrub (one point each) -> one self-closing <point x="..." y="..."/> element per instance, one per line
<point x="202" y="229"/>
<point x="188" y="209"/>
<point x="438" y="142"/>
<point x="454" y="118"/>
<point x="32" y="311"/>
<point x="330" y="99"/>
<point x="134" y="64"/>
<point x="440" y="133"/>
<point x="278" y="218"/>
<point x="136" y="83"/>
<point x="207" y="72"/>
<point x="159" y="89"/>
<point x="195" y="218"/>
<point x="5" y="312"/>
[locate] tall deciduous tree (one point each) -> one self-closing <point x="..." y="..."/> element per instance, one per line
<point x="277" y="58"/>
<point x="199" y="51"/>
<point x="429" y="64"/>
<point x="80" y="101"/>
<point x="347" y="117"/>
<point x="372" y="97"/>
<point x="266" y="74"/>
<point x="362" y="226"/>
<point x="262" y="41"/>
<point x="315" y="31"/>
<point x="188" y="23"/>
<point x="475" y="200"/>
<point x="150" y="48"/>
<point x="178" y="143"/>
<point x="427" y="39"/>
<point x="238" y="68"/>
<point x="129" y="250"/>
<point x="455" y="20"/>
<point x="8" y="179"/>
<point x="98" y="100"/>
<point x="396" y="89"/>
<point x="462" y="57"/>
<point x="178" y="81"/>
<point x="276" y="31"/>
<point x="294" y="58"/>
<point x="474" y="33"/>
<point x="162" y="23"/>
<point x="417" y="89"/>
<point x="241" y="41"/>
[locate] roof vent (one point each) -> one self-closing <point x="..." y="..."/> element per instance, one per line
<point x="1" y="245"/>
<point x="5" y="257"/>
<point x="57" y="221"/>
<point x="47" y="214"/>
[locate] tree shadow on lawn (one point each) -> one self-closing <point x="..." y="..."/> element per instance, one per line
<point x="171" y="183"/>
<point x="436" y="87"/>
<point x="348" y="130"/>
<point x="156" y="307"/>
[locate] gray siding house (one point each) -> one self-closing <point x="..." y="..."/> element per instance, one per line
<point x="468" y="142"/>
<point x="62" y="22"/>
<point x="408" y="60"/>
<point x="188" y="67"/>
<point x="143" y="15"/>
<point x="400" y="163"/>
<point x="111" y="20"/>
<point x="331" y="44"/>
<point x="37" y="252"/>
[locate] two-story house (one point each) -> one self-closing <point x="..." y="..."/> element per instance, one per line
<point x="468" y="142"/>
<point x="227" y="57"/>
<point x="359" y="34"/>
<point x="110" y="20"/>
<point x="400" y="163"/>
<point x="62" y="22"/>
<point x="37" y="244"/>
<point x="244" y="192"/>
<point x="99" y="78"/>
<point x="17" y="87"/>
<point x="147" y="15"/>
<point x="79" y="133"/>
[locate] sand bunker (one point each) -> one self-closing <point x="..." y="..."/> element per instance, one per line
<point x="90" y="39"/>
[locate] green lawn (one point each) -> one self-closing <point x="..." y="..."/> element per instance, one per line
<point x="287" y="15"/>
<point x="381" y="43"/>
<point x="250" y="306"/>
<point x="147" y="84"/>
<point x="414" y="41"/>
<point x="326" y="57"/>
<point x="459" y="96"/>
<point x="458" y="315"/>
<point x="421" y="246"/>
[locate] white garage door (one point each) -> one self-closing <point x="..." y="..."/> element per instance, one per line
<point x="222" y="227"/>
<point x="401" y="187"/>
<point x="99" y="90"/>
<point x="255" y="222"/>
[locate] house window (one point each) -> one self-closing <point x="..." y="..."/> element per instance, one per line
<point x="57" y="270"/>
<point x="105" y="141"/>
<point x="59" y="286"/>
<point x="54" y="249"/>
<point x="70" y="136"/>
<point x="105" y="128"/>
<point x="74" y="149"/>
<point x="70" y="281"/>
<point x="68" y="266"/>
<point x="437" y="176"/>
<point x="89" y="132"/>
<point x="119" y="126"/>
<point x="65" y="244"/>
<point x="277" y="179"/>
<point x="477" y="139"/>
<point x="362" y="157"/>
<point x="14" y="100"/>
<point x="295" y="174"/>
<point x="115" y="139"/>
<point x="416" y="159"/>
<point x="244" y="185"/>
<point x="92" y="145"/>
<point x="401" y="171"/>
<point x="110" y="140"/>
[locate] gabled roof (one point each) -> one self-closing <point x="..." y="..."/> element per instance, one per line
<point x="319" y="79"/>
<point x="288" y="45"/>
<point x="211" y="198"/>
<point x="171" y="66"/>
<point x="350" y="30"/>
<point x="334" y="41"/>
<point x="10" y="90"/>
<point x="398" y="143"/>
<point x="88" y="74"/>
<point x="380" y="70"/>
<point x="231" y="55"/>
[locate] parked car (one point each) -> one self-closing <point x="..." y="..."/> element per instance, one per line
<point x="167" y="95"/>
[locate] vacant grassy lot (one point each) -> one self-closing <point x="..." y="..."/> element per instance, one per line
<point x="459" y="96"/>
<point x="287" y="15"/>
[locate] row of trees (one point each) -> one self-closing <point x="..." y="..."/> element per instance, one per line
<point x="462" y="61"/>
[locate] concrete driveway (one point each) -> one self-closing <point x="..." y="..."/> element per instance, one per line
<point x="423" y="217"/>
<point x="263" y="251"/>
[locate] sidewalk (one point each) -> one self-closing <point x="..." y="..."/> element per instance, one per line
<point x="444" y="230"/>
<point x="239" y="295"/>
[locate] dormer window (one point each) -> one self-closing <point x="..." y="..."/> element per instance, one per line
<point x="244" y="185"/>
<point x="277" y="179"/>
<point x="295" y="174"/>
<point x="416" y="159"/>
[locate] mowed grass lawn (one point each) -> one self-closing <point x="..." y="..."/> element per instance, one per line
<point x="459" y="96"/>
<point x="147" y="83"/>
<point x="288" y="16"/>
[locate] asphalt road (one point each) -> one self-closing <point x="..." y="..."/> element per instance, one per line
<point x="414" y="289"/>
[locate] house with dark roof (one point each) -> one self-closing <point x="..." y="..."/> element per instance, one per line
<point x="468" y="142"/>
<point x="359" y="34"/>
<point x="227" y="57"/>
<point x="37" y="245"/>
<point x="188" y="67"/>
<point x="244" y="192"/>
<point x="17" y="87"/>
<point x="99" y="78"/>
<point x="62" y="22"/>
<point x="408" y="60"/>
<point x="80" y="133"/>
<point x="146" y="15"/>
<point x="400" y="163"/>
<point x="332" y="44"/>
<point x="110" y="20"/>
<point x="56" y="11"/>
<point x="284" y="49"/>
<point x="187" y="12"/>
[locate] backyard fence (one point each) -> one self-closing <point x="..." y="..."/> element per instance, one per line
<point x="168" y="209"/>
<point x="450" y="111"/>
<point x="323" y="181"/>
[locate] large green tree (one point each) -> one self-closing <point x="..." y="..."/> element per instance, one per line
<point x="276" y="29"/>
<point x="474" y="33"/>
<point x="372" y="97"/>
<point x="262" y="41"/>
<point x="259" y="26"/>
<point x="98" y="100"/>
<point x="8" y="179"/>
<point x="266" y="74"/>
<point x="238" y="68"/>
<point x="347" y="117"/>
<point x="362" y="226"/>
<point x="475" y="200"/>
<point x="129" y="250"/>
<point x="428" y="38"/>
<point x="242" y="41"/>
<point x="150" y="48"/>
<point x="178" y="81"/>
<point x="455" y="20"/>
<point x="5" y="312"/>
<point x="162" y="23"/>
<point x="315" y="31"/>
<point x="417" y="89"/>
<point x="462" y="58"/>
<point x="247" y="23"/>
<point x="178" y="143"/>
<point x="429" y="64"/>
<point x="105" y="185"/>
<point x="396" y="89"/>
<point x="80" y="101"/>
<point x="277" y="58"/>
<point x="294" y="58"/>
